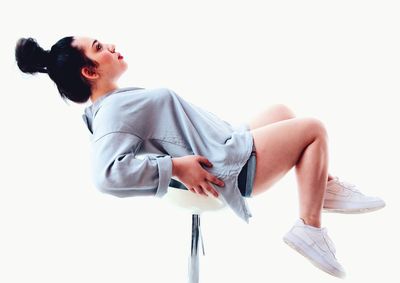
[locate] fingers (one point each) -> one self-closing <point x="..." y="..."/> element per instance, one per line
<point x="211" y="177"/>
<point x="199" y="190"/>
<point x="208" y="189"/>
<point x="204" y="160"/>
<point x="215" y="180"/>
<point x="193" y="190"/>
<point x="204" y="189"/>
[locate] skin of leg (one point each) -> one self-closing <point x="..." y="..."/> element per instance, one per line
<point x="273" y="114"/>
<point x="300" y="142"/>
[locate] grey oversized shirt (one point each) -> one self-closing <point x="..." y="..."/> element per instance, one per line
<point x="159" y="124"/>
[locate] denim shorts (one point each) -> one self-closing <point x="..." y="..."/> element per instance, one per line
<point x="246" y="175"/>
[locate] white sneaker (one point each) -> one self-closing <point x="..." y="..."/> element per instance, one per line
<point x="343" y="197"/>
<point x="315" y="244"/>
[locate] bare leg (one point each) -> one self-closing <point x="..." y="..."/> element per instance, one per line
<point x="273" y="114"/>
<point x="311" y="173"/>
<point x="300" y="142"/>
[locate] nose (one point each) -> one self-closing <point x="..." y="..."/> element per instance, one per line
<point x="111" y="47"/>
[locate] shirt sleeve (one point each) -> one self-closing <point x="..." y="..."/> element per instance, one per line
<point x="116" y="170"/>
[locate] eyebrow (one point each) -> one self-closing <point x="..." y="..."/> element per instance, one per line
<point x="94" y="41"/>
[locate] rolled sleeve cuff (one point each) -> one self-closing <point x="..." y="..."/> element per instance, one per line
<point x="165" y="173"/>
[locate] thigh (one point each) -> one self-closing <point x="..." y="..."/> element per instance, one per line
<point x="272" y="114"/>
<point x="279" y="147"/>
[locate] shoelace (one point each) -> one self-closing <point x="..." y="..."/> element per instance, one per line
<point x="347" y="185"/>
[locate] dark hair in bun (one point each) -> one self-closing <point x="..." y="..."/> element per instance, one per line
<point x="31" y="58"/>
<point x="63" y="63"/>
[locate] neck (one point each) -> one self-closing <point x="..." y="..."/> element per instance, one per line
<point x="99" y="91"/>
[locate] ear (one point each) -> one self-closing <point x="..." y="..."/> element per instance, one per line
<point x="89" y="73"/>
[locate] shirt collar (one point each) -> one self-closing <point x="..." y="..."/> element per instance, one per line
<point x="90" y="111"/>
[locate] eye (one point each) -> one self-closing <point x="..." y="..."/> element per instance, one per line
<point x="98" y="47"/>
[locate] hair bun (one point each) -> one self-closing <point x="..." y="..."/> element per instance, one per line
<point x="30" y="57"/>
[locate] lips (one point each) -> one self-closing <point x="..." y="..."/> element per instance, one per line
<point x="120" y="57"/>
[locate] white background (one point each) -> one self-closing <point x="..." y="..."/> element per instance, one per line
<point x="334" y="60"/>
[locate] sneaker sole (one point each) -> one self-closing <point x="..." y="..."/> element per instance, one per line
<point x="297" y="244"/>
<point x="352" y="210"/>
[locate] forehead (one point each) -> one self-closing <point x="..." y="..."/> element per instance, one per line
<point x="83" y="42"/>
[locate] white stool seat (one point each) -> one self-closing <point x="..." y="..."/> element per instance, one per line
<point x="195" y="204"/>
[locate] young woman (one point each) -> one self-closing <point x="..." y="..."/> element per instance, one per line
<point x="184" y="142"/>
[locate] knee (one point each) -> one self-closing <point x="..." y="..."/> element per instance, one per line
<point x="316" y="127"/>
<point x="284" y="111"/>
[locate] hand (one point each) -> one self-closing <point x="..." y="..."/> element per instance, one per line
<point x="191" y="173"/>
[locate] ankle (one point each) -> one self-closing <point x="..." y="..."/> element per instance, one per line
<point x="312" y="221"/>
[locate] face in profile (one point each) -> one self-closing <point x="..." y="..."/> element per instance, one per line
<point x="111" y="64"/>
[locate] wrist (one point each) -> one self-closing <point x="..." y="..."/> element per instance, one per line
<point x="174" y="167"/>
